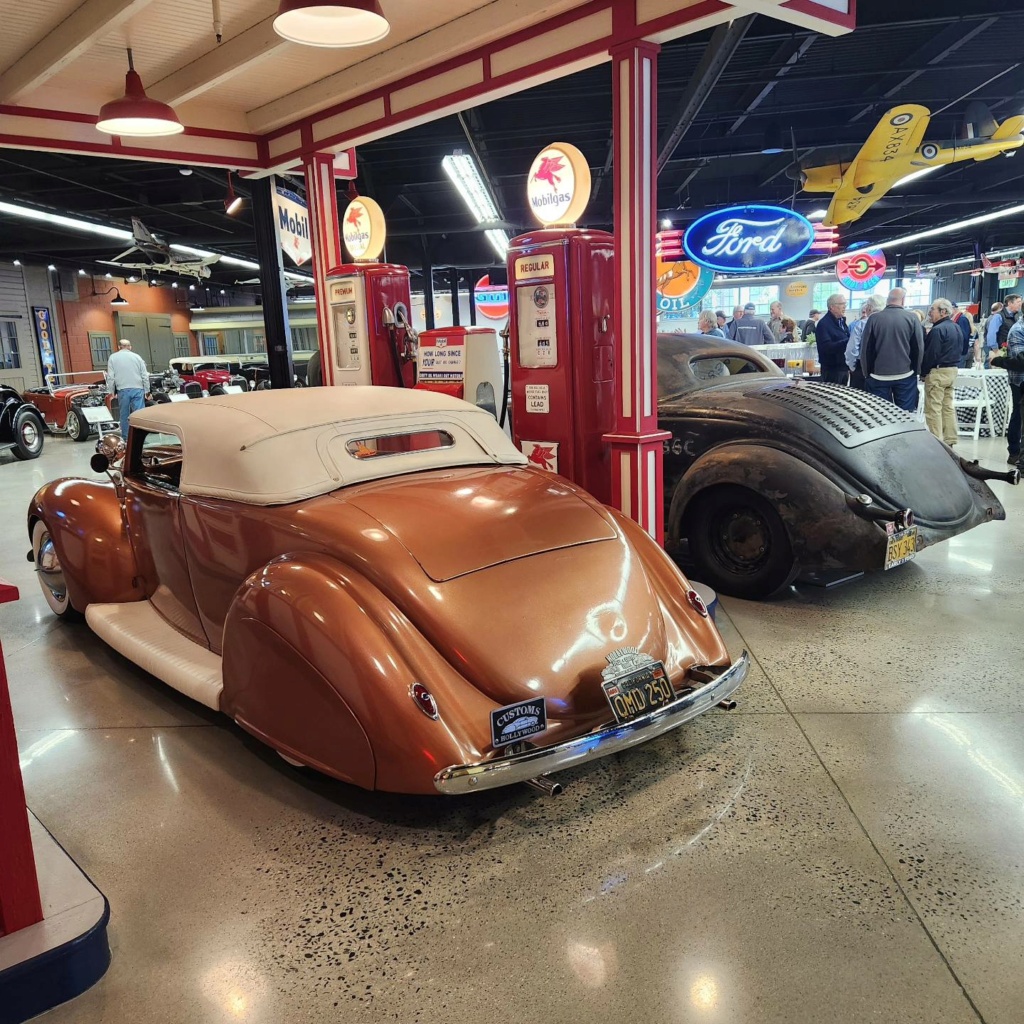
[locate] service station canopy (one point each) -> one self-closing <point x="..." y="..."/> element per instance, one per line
<point x="258" y="103"/>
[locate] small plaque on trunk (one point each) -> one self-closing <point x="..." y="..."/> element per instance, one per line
<point x="517" y="721"/>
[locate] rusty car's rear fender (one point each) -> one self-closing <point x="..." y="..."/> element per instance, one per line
<point x="84" y="519"/>
<point x="320" y="665"/>
<point x="822" y="530"/>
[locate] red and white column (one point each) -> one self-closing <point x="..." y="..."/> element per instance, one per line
<point x="636" y="442"/>
<point x="325" y="232"/>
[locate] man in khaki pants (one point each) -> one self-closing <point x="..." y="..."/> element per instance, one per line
<point x="942" y="350"/>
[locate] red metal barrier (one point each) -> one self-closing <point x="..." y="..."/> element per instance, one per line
<point x="19" y="888"/>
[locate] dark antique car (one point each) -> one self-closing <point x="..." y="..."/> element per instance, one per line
<point x="76" y="404"/>
<point x="375" y="583"/>
<point x="21" y="425"/>
<point x="768" y="476"/>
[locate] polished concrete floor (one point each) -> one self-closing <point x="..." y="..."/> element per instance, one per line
<point x="846" y="846"/>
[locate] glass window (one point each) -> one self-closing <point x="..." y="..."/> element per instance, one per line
<point x="303" y="339"/>
<point x="762" y="296"/>
<point x="399" y="444"/>
<point x="919" y="293"/>
<point x="210" y="344"/>
<point x="9" y="357"/>
<point x="182" y="345"/>
<point x="157" y="459"/>
<point x="101" y="346"/>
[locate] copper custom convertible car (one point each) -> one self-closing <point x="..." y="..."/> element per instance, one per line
<point x="766" y="476"/>
<point x="373" y="582"/>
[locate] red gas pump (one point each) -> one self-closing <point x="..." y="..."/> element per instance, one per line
<point x="562" y="352"/>
<point x="369" y="335"/>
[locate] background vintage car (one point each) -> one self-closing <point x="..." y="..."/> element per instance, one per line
<point x="766" y="476"/>
<point x="64" y="401"/>
<point x="361" y="576"/>
<point x="21" y="426"/>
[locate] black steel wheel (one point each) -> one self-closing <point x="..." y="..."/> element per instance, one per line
<point x="28" y="436"/>
<point x="77" y="426"/>
<point x="738" y="543"/>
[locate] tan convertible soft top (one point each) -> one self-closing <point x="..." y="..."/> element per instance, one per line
<point x="275" y="447"/>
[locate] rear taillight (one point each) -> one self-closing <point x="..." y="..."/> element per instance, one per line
<point x="697" y="602"/>
<point x="424" y="700"/>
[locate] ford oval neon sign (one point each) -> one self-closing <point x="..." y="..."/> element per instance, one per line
<point x="745" y="239"/>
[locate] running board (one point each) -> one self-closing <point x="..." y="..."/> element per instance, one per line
<point x="143" y="636"/>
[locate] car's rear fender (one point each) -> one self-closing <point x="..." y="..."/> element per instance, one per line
<point x="686" y="629"/>
<point x="320" y="665"/>
<point x="822" y="530"/>
<point x="85" y="522"/>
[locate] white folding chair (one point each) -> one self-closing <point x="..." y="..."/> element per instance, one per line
<point x="970" y="391"/>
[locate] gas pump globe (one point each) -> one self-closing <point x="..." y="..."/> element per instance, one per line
<point x="369" y="336"/>
<point x="562" y="345"/>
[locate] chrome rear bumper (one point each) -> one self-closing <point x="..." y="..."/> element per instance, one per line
<point x="504" y="771"/>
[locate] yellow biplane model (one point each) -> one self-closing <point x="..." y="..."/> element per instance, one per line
<point x="894" y="151"/>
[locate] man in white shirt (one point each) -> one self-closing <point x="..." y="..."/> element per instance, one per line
<point x="128" y="378"/>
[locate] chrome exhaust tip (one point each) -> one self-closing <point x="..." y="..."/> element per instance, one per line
<point x="728" y="704"/>
<point x="545" y="784"/>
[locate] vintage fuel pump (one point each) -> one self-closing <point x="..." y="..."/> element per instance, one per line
<point x="370" y="339"/>
<point x="562" y="344"/>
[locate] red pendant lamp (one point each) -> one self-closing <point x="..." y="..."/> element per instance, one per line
<point x="331" y="22"/>
<point x="135" y="114"/>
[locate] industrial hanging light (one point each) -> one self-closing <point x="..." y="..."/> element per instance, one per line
<point x="233" y="203"/>
<point x="118" y="301"/>
<point x="331" y="22"/>
<point x="135" y="114"/>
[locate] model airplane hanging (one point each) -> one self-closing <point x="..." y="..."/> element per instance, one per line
<point x="1005" y="268"/>
<point x="894" y="150"/>
<point x="157" y="256"/>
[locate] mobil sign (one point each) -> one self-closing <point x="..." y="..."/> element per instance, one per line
<point x="491" y="299"/>
<point x="292" y="225"/>
<point x="748" y="239"/>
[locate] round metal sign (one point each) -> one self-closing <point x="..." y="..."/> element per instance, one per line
<point x="491" y="299"/>
<point x="681" y="284"/>
<point x="748" y="239"/>
<point x="363" y="229"/>
<point x="861" y="271"/>
<point x="558" y="185"/>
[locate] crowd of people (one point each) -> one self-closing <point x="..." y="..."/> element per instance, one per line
<point x="889" y="348"/>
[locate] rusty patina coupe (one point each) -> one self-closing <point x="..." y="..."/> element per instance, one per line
<point x="767" y="476"/>
<point x="374" y="583"/>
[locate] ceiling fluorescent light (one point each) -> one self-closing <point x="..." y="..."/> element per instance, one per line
<point x="135" y="114"/>
<point x="499" y="239"/>
<point x="65" y="222"/>
<point x="331" y="22"/>
<point x="465" y="176"/>
<point x="944" y="229"/>
<point x="916" y="174"/>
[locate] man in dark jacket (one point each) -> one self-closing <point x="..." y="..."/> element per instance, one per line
<point x="1011" y="307"/>
<point x="832" y="335"/>
<point x="942" y="350"/>
<point x="891" y="352"/>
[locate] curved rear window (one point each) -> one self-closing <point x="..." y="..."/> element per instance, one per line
<point x="385" y="445"/>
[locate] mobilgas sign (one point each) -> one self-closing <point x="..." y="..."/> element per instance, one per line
<point x="293" y="225"/>
<point x="745" y="239"/>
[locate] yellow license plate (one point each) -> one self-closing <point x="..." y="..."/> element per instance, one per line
<point x="902" y="547"/>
